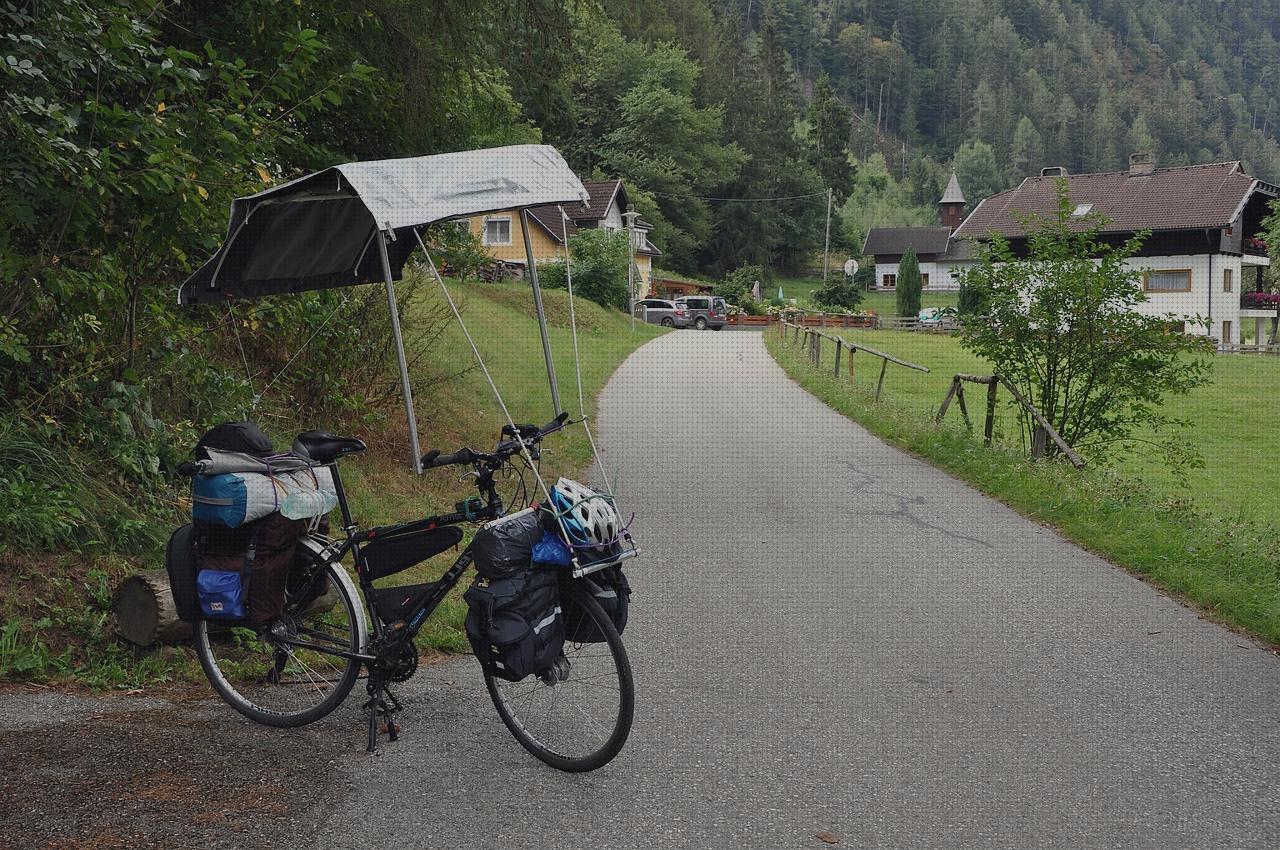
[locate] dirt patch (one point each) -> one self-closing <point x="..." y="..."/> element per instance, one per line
<point x="160" y="778"/>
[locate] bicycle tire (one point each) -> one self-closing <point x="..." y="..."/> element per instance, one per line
<point x="573" y="593"/>
<point x="230" y="683"/>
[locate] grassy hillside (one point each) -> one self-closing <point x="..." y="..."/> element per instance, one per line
<point x="55" y="607"/>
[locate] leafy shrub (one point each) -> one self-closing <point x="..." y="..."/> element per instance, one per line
<point x="1062" y="326"/>
<point x="600" y="260"/>
<point x="736" y="287"/>
<point x="841" y="292"/>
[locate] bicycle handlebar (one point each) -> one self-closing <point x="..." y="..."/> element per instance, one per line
<point x="529" y="434"/>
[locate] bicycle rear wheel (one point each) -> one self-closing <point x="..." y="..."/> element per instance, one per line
<point x="576" y="717"/>
<point x="275" y="683"/>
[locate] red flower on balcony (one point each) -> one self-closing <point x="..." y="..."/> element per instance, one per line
<point x="1254" y="245"/>
<point x="1260" y="300"/>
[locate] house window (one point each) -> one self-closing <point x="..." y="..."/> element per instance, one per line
<point x="924" y="281"/>
<point x="1081" y="210"/>
<point x="1226" y="280"/>
<point x="889" y="281"/>
<point x="497" y="231"/>
<point x="1227" y="338"/>
<point x="1167" y="280"/>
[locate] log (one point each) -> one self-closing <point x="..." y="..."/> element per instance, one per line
<point x="145" y="614"/>
<point x="144" y="610"/>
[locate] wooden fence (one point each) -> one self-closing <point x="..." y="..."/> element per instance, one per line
<point x="813" y="345"/>
<point x="1043" y="432"/>
<point x="813" y="320"/>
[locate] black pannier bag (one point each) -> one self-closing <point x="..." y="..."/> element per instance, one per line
<point x="397" y="549"/>
<point x="261" y="552"/>
<point x="514" y="624"/>
<point x="235" y="437"/>
<point x="179" y="563"/>
<point x="504" y="547"/>
<point x="612" y="590"/>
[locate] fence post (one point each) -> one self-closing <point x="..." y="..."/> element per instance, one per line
<point x="852" y="351"/>
<point x="946" y="401"/>
<point x="817" y="350"/>
<point x="884" y="364"/>
<point x="989" y="426"/>
<point x="1039" y="439"/>
<point x="823" y="320"/>
<point x="836" y="371"/>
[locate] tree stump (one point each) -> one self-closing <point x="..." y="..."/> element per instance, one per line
<point x="145" y="614"/>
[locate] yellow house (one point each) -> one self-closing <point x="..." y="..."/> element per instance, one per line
<point x="502" y="234"/>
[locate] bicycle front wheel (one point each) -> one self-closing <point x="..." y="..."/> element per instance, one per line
<point x="268" y="679"/>
<point x="577" y="716"/>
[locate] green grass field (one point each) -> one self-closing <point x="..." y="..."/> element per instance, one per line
<point x="883" y="303"/>
<point x="1232" y="419"/>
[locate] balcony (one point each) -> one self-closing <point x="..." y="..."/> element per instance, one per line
<point x="1253" y="252"/>
<point x="1260" y="302"/>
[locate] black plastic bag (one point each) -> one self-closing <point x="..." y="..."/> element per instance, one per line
<point x="504" y="547"/>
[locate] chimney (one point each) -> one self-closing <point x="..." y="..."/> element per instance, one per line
<point x="952" y="204"/>
<point x="1053" y="171"/>
<point x="1141" y="163"/>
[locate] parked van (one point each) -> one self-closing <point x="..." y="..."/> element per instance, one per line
<point x="705" y="311"/>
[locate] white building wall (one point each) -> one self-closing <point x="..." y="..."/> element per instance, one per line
<point x="1205" y="307"/>
<point x="941" y="275"/>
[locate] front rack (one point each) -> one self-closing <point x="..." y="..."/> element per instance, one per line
<point x="631" y="551"/>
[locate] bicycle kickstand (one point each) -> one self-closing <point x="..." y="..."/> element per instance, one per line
<point x="381" y="705"/>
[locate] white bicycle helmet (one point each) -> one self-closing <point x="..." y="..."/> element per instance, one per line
<point x="588" y="516"/>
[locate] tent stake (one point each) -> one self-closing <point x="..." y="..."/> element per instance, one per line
<point x="537" y="306"/>
<point x="404" y="364"/>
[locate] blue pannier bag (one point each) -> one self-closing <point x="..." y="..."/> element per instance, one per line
<point x="221" y="594"/>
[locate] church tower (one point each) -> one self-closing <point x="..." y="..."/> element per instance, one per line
<point x="952" y="204"/>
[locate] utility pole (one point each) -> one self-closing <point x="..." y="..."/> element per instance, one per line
<point x="826" y="245"/>
<point x="630" y="218"/>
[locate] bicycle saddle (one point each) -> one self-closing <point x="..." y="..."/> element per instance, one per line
<point x="323" y="447"/>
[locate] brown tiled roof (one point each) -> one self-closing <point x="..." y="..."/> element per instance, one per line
<point x="1190" y="197"/>
<point x="601" y="192"/>
<point x="896" y="240"/>
<point x="549" y="217"/>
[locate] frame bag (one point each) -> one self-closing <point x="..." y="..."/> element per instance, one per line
<point x="515" y="624"/>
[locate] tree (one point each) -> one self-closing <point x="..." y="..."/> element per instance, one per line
<point x="1028" y="151"/>
<point x="969" y="300"/>
<point x="829" y="139"/>
<point x="976" y="169"/>
<point x="1062" y="327"/>
<point x="909" y="284"/>
<point x="599" y="266"/>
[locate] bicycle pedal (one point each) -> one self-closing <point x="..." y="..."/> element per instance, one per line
<point x="383" y="729"/>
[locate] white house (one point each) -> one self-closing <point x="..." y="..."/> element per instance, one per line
<point x="1203" y="254"/>
<point x="940" y="255"/>
<point x="1202" y="257"/>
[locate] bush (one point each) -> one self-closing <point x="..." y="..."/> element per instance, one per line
<point x="841" y="292"/>
<point x="909" y="285"/>
<point x="970" y="299"/>
<point x="739" y="283"/>
<point x="600" y="260"/>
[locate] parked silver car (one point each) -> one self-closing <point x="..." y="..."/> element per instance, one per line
<point x="658" y="311"/>
<point x="705" y="311"/>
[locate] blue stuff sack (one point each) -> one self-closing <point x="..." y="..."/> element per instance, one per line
<point x="221" y="594"/>
<point x="551" y="550"/>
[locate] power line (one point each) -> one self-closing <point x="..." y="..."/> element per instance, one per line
<point x="821" y="194"/>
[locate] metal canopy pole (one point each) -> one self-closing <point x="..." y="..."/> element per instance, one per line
<point x="537" y="306"/>
<point x="404" y="364"/>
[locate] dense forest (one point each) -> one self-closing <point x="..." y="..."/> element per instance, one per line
<point x="128" y="126"/>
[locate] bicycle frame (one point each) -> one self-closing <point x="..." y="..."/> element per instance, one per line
<point x="354" y="537"/>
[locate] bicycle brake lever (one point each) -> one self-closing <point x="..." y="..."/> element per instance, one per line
<point x="472" y="474"/>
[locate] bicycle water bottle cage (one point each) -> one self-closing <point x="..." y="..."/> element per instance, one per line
<point x="471" y="507"/>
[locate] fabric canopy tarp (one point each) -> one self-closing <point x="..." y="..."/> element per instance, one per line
<point x="317" y="232"/>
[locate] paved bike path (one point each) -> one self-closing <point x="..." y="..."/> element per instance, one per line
<point x="829" y="635"/>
